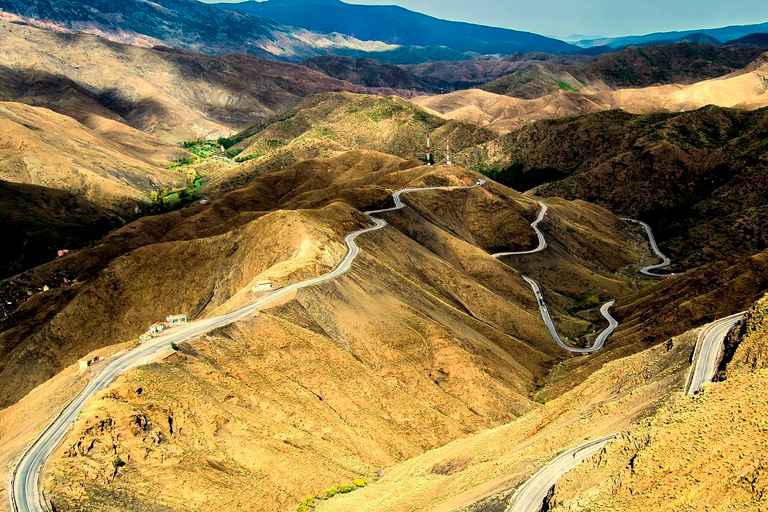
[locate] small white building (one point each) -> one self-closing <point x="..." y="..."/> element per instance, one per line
<point x="157" y="328"/>
<point x="263" y="285"/>
<point x="176" y="319"/>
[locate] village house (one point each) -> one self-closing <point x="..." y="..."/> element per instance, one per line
<point x="176" y="319"/>
<point x="157" y="327"/>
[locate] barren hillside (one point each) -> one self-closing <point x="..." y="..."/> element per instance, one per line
<point x="327" y="125"/>
<point x="468" y="348"/>
<point x="696" y="177"/>
<point x="172" y="94"/>
<point x="712" y="445"/>
<point x="744" y="89"/>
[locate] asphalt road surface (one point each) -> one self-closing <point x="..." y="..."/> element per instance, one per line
<point x="599" y="342"/>
<point x="665" y="261"/>
<point x="708" y="348"/>
<point x="535" y="225"/>
<point x="25" y="492"/>
<point x="530" y="496"/>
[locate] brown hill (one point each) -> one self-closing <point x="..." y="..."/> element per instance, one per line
<point x="712" y="446"/>
<point x="59" y="176"/>
<point x="472" y="73"/>
<point x="330" y="124"/>
<point x="372" y="73"/>
<point x="41" y="147"/>
<point x="683" y="63"/>
<point x="743" y="89"/>
<point x="172" y="94"/>
<point x="696" y="177"/>
<point x="39" y="221"/>
<point x="467" y="349"/>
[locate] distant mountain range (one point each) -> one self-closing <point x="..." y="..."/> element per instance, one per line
<point x="396" y="25"/>
<point x="296" y="30"/>
<point x="713" y="35"/>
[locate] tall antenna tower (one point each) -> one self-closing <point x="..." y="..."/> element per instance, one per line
<point x="429" y="151"/>
<point x="448" y="155"/>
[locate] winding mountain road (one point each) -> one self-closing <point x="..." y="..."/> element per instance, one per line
<point x="665" y="261"/>
<point x="612" y="323"/>
<point x="530" y="496"/>
<point x="707" y="352"/>
<point x="599" y="342"/>
<point x="25" y="493"/>
<point x="535" y="225"/>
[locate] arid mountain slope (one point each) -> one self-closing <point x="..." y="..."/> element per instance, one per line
<point x="475" y="72"/>
<point x="481" y="472"/>
<point x="712" y="446"/>
<point x="171" y="94"/>
<point x="59" y="176"/>
<point x="681" y="64"/>
<point x="330" y="124"/>
<point x="41" y="147"/>
<point x="39" y="221"/>
<point x="371" y="73"/>
<point x="103" y="283"/>
<point x="186" y="24"/>
<point x="745" y="89"/>
<point x="696" y="177"/>
<point x="396" y="25"/>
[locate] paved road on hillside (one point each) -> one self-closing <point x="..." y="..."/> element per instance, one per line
<point x="535" y="225"/>
<point x="530" y="496"/>
<point x="708" y="348"/>
<point x="25" y="492"/>
<point x="612" y="323"/>
<point x="599" y="342"/>
<point x="665" y="261"/>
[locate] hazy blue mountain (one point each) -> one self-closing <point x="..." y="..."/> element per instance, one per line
<point x="396" y="25"/>
<point x="719" y="34"/>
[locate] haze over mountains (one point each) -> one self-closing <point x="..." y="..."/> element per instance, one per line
<point x="174" y="157"/>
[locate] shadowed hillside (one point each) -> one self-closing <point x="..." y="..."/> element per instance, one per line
<point x="172" y="94"/>
<point x="698" y="177"/>
<point x="330" y="124"/>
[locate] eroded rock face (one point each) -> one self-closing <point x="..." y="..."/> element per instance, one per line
<point x="746" y="347"/>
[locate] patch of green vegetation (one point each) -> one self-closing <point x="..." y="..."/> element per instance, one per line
<point x="327" y="132"/>
<point x="580" y="80"/>
<point x="167" y="199"/>
<point x="232" y="153"/>
<point x="564" y="86"/>
<point x="588" y="301"/>
<point x="421" y="116"/>
<point x="306" y="505"/>
<point x="311" y="502"/>
<point x="245" y="158"/>
<point x="342" y="489"/>
<point x="516" y="176"/>
<point x="202" y="148"/>
<point x="644" y="55"/>
<point x="274" y="143"/>
<point x="228" y="142"/>
<point x="174" y="346"/>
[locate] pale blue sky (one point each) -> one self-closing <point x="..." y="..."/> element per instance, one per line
<point x="561" y="18"/>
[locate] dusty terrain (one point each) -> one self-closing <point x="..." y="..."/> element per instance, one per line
<point x="744" y="89"/>
<point x="696" y="177"/>
<point x="682" y="64"/>
<point x="463" y="323"/>
<point x="706" y="452"/>
<point x="171" y="94"/>
<point x="327" y="125"/>
<point x="486" y="467"/>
